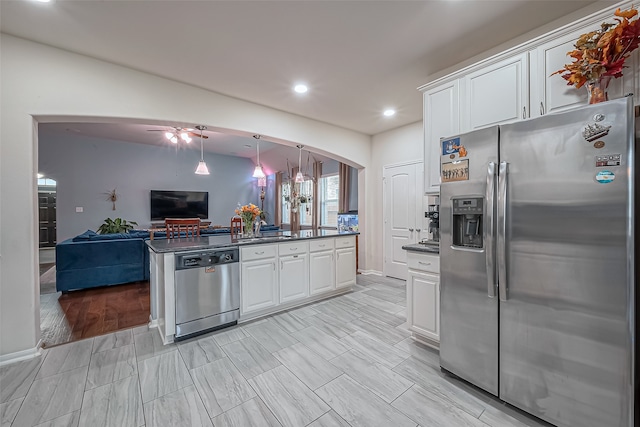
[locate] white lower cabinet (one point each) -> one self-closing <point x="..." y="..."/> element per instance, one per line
<point x="259" y="284"/>
<point x="423" y="295"/>
<point x="284" y="275"/>
<point x="345" y="267"/>
<point x="321" y="272"/>
<point x="294" y="277"/>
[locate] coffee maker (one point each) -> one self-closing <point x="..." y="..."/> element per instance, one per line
<point x="434" y="222"/>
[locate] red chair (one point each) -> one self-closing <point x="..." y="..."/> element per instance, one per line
<point x="236" y="225"/>
<point x="175" y="226"/>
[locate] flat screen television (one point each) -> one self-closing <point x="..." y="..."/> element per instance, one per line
<point x="179" y="204"/>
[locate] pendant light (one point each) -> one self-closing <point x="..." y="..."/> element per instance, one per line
<point x="299" y="176"/>
<point x="258" y="172"/>
<point x="202" y="166"/>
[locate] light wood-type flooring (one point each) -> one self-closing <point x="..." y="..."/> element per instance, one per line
<point x="346" y="361"/>
<point x="88" y="313"/>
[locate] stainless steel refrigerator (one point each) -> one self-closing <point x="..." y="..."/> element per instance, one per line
<point x="537" y="260"/>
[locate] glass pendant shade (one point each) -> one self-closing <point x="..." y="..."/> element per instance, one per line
<point x="262" y="182"/>
<point x="202" y="168"/>
<point x="258" y="172"/>
<point x="299" y="176"/>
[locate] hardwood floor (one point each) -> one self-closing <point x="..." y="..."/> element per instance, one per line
<point x="92" y="312"/>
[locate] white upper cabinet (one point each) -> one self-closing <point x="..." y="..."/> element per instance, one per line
<point x="496" y="94"/>
<point x="441" y="119"/>
<point x="550" y="94"/>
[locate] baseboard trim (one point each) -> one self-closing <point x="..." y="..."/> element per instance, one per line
<point x="19" y="356"/>
<point x="371" y="272"/>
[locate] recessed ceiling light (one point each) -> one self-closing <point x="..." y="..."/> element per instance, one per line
<point x="42" y="1"/>
<point x="389" y="112"/>
<point x="40" y="175"/>
<point x="300" y="88"/>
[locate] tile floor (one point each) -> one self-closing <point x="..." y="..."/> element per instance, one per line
<point x="346" y="361"/>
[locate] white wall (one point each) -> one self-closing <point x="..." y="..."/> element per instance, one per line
<point x="133" y="170"/>
<point x="404" y="144"/>
<point x="40" y="83"/>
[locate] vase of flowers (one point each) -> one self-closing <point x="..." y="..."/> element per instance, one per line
<point x="248" y="213"/>
<point x="600" y="55"/>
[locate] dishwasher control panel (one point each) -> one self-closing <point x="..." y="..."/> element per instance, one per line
<point x="206" y="258"/>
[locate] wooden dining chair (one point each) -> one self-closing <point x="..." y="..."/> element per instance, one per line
<point x="236" y="225"/>
<point x="174" y="226"/>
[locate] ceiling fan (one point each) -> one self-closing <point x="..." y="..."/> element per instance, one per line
<point x="178" y="133"/>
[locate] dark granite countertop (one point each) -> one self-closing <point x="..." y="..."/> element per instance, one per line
<point x="428" y="247"/>
<point x="227" y="240"/>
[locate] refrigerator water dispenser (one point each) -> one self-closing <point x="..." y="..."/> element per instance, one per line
<point x="468" y="222"/>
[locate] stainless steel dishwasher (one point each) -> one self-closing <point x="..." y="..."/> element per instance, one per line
<point x="207" y="290"/>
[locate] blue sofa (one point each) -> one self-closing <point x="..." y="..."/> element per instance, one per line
<point x="90" y="259"/>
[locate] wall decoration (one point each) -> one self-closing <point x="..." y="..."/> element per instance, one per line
<point x="112" y="197"/>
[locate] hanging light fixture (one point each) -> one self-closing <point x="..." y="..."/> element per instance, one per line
<point x="299" y="176"/>
<point x="258" y="172"/>
<point x="202" y="166"/>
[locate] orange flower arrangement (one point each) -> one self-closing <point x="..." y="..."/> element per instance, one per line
<point x="248" y="213"/>
<point x="602" y="53"/>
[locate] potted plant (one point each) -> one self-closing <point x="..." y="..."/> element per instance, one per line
<point x="117" y="225"/>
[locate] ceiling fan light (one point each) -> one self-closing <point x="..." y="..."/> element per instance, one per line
<point x="202" y="168"/>
<point x="168" y="135"/>
<point x="185" y="137"/>
<point x="174" y="139"/>
<point x="258" y="172"/>
<point x="299" y="178"/>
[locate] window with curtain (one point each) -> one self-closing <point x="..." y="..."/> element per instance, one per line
<point x="329" y="191"/>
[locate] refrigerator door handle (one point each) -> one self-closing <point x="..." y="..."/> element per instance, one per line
<point x="503" y="286"/>
<point x="489" y="232"/>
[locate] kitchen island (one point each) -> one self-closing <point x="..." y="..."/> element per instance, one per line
<point x="277" y="271"/>
<point x="423" y="291"/>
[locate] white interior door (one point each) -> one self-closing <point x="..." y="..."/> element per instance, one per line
<point x="399" y="217"/>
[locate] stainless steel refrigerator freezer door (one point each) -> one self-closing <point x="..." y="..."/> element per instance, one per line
<point x="566" y="331"/>
<point x="468" y="305"/>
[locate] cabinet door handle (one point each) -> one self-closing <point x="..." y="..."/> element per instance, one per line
<point x="322" y="246"/>
<point x="274" y="266"/>
<point x="281" y="265"/>
<point x="541" y="108"/>
<point x="424" y="263"/>
<point x="295" y="256"/>
<point x="411" y="229"/>
<point x="259" y="253"/>
<point x="524" y="112"/>
<point x="418" y="230"/>
<point x="293" y="249"/>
